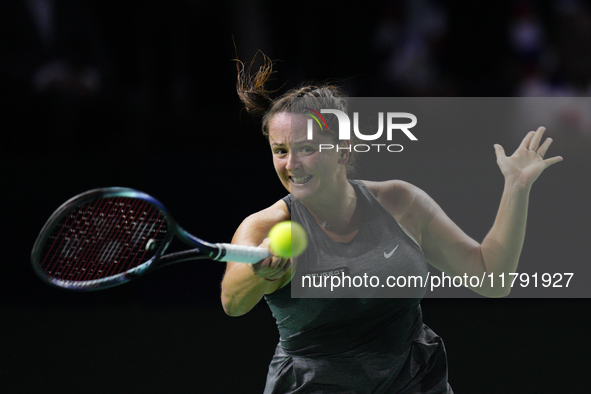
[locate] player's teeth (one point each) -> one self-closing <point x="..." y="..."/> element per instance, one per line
<point x="301" y="179"/>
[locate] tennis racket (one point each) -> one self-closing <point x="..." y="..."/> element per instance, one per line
<point x="106" y="237"/>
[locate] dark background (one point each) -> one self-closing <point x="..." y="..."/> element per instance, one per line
<point x="141" y="94"/>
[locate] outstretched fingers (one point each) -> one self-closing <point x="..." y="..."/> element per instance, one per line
<point x="543" y="149"/>
<point x="525" y="143"/>
<point x="553" y="160"/>
<point x="536" y="138"/>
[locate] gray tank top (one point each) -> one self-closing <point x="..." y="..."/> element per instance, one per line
<point x="354" y="344"/>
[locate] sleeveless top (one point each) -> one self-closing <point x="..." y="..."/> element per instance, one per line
<point x="367" y="344"/>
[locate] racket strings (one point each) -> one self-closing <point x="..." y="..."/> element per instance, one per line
<point x="131" y="251"/>
<point x="103" y="238"/>
<point x="108" y="255"/>
<point x="105" y="258"/>
<point x="109" y="258"/>
<point x="76" y="264"/>
<point x="72" y="259"/>
<point x="51" y="259"/>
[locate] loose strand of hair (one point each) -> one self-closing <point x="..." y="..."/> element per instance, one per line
<point x="251" y="87"/>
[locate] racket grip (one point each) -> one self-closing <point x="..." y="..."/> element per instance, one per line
<point x="241" y="253"/>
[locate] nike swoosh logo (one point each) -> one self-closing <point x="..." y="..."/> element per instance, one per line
<point x="387" y="255"/>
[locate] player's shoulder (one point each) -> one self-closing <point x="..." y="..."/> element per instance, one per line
<point x="394" y="190"/>
<point x="265" y="219"/>
<point x="277" y="211"/>
<point x="401" y="198"/>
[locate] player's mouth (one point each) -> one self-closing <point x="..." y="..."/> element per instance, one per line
<point x="300" y="180"/>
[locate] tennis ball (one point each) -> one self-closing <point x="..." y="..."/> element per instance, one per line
<point x="288" y="239"/>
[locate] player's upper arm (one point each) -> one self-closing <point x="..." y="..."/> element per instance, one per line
<point x="445" y="245"/>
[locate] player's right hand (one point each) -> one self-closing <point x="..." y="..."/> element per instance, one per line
<point x="271" y="268"/>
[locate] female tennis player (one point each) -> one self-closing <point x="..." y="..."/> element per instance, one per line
<point x="362" y="345"/>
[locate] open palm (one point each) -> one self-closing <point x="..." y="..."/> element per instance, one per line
<point x="527" y="163"/>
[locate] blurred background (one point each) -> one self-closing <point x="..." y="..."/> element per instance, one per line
<point x="142" y="94"/>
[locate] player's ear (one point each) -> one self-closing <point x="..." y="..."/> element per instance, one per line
<point x="345" y="151"/>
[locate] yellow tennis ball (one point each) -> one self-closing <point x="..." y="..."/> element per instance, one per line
<point x="288" y="239"/>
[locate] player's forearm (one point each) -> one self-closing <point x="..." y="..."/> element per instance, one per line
<point x="242" y="290"/>
<point x="502" y="246"/>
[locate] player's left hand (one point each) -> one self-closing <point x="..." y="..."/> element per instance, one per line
<point x="528" y="162"/>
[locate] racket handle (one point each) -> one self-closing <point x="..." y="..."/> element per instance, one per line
<point x="241" y="253"/>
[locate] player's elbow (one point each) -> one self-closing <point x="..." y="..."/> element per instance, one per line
<point x="498" y="294"/>
<point x="495" y="292"/>
<point x="501" y="292"/>
<point x="231" y="307"/>
<point x="232" y="312"/>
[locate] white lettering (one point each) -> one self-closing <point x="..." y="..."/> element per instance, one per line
<point x="404" y="127"/>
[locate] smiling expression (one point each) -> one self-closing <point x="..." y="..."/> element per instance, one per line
<point x="305" y="171"/>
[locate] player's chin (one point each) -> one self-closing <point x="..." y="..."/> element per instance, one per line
<point x="302" y="181"/>
<point x="302" y="190"/>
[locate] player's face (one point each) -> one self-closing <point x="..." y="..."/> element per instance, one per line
<point x="307" y="170"/>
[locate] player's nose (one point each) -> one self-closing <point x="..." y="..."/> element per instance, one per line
<point x="292" y="162"/>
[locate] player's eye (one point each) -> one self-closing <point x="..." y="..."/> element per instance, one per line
<point x="307" y="150"/>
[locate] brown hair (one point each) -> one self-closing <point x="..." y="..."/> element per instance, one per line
<point x="258" y="101"/>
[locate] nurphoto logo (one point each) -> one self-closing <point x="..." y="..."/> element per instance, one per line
<point x="345" y="129"/>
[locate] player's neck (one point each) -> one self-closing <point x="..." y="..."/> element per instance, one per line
<point x="335" y="213"/>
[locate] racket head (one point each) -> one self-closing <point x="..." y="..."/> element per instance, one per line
<point x="102" y="238"/>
